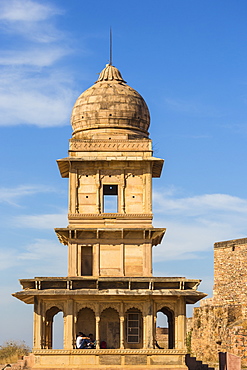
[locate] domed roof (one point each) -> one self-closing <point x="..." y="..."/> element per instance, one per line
<point x="110" y="105"/>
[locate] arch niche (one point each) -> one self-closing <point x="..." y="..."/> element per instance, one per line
<point x="110" y="328"/>
<point x="134" y="328"/>
<point x="49" y="329"/>
<point x="86" y="321"/>
<point x="165" y="332"/>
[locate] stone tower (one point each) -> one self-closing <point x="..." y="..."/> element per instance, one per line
<point x="110" y="291"/>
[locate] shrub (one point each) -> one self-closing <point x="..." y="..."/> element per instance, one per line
<point x="12" y="351"/>
<point x="188" y="341"/>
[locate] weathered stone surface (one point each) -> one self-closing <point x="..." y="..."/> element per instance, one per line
<point x="220" y="323"/>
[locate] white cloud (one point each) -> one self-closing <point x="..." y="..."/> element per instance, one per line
<point x="30" y="19"/>
<point x="199" y="204"/>
<point x="26" y="10"/>
<point x="44" y="101"/>
<point x="194" y="224"/>
<point x="34" y="90"/>
<point x="38" y="57"/>
<point x="47" y="221"/>
<point x="42" y="256"/>
<point x="13" y="195"/>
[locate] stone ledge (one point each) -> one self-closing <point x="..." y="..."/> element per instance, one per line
<point x="230" y="243"/>
<point x="109" y="352"/>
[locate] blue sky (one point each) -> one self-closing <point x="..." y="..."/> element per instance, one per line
<point x="188" y="60"/>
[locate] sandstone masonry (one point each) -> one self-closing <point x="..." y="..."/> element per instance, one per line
<point x="220" y="323"/>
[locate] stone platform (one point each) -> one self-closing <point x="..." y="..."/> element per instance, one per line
<point x="107" y="359"/>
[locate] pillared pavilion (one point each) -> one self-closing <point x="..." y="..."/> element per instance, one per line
<point x="110" y="290"/>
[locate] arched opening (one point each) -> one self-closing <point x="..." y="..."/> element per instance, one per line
<point x="54" y="328"/>
<point x="134" y="328"/>
<point x="109" y="329"/>
<point x="57" y="331"/>
<point x="165" y="329"/>
<point x="86" y="322"/>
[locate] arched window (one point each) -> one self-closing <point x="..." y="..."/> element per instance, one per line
<point x="134" y="328"/>
<point x="165" y="328"/>
<point x="54" y="328"/>
<point x="86" y="322"/>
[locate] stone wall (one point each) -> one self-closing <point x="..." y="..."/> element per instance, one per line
<point x="230" y="272"/>
<point x="220" y="323"/>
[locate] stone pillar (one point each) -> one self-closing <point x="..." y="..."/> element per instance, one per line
<point x="121" y="316"/>
<point x="69" y="335"/>
<point x="122" y="259"/>
<point x="73" y="259"/>
<point x="96" y="260"/>
<point x="48" y="333"/>
<point x="121" y="332"/>
<point x="144" y="329"/>
<point x="154" y="323"/>
<point x="37" y="324"/>
<point x="147" y="257"/>
<point x="97" y="337"/>
<point x="76" y="195"/>
<point x="122" y="198"/>
<point x="73" y="193"/>
<point x="150" y="324"/>
<point x="180" y="323"/>
<point x="148" y="190"/>
<point x="98" y="195"/>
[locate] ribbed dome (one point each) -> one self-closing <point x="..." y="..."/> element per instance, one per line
<point x="110" y="104"/>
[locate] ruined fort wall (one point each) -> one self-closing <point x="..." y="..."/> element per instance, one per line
<point x="220" y="323"/>
<point x="219" y="329"/>
<point x="230" y="272"/>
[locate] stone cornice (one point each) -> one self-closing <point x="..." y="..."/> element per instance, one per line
<point x="70" y="235"/>
<point x="110" y="352"/>
<point x="65" y="163"/>
<point x="230" y="243"/>
<point x="111" y="145"/>
<point x="110" y="215"/>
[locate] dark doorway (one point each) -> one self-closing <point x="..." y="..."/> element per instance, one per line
<point x="87" y="261"/>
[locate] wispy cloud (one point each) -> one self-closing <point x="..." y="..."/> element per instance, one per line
<point x="29" y="18"/>
<point x="39" y="57"/>
<point x="195" y="223"/>
<point x="34" y="88"/>
<point x="13" y="195"/>
<point x="47" y="221"/>
<point x="35" y="100"/>
<point x="42" y="257"/>
<point x="200" y="204"/>
<point x="26" y="10"/>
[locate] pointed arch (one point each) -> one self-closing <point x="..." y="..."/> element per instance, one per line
<point x="110" y="328"/>
<point x="134" y="328"/>
<point x="169" y="334"/>
<point x="86" y="321"/>
<point x="49" y="320"/>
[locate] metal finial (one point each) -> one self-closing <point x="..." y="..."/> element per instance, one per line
<point x="110" y="47"/>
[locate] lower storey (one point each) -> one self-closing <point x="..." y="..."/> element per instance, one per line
<point x="108" y="359"/>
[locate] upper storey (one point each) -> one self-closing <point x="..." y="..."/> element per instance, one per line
<point x="110" y="122"/>
<point x="110" y="106"/>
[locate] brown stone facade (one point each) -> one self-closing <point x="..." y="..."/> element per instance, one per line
<point x="220" y="323"/>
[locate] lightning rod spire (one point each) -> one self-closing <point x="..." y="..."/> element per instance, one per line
<point x="110" y="47"/>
